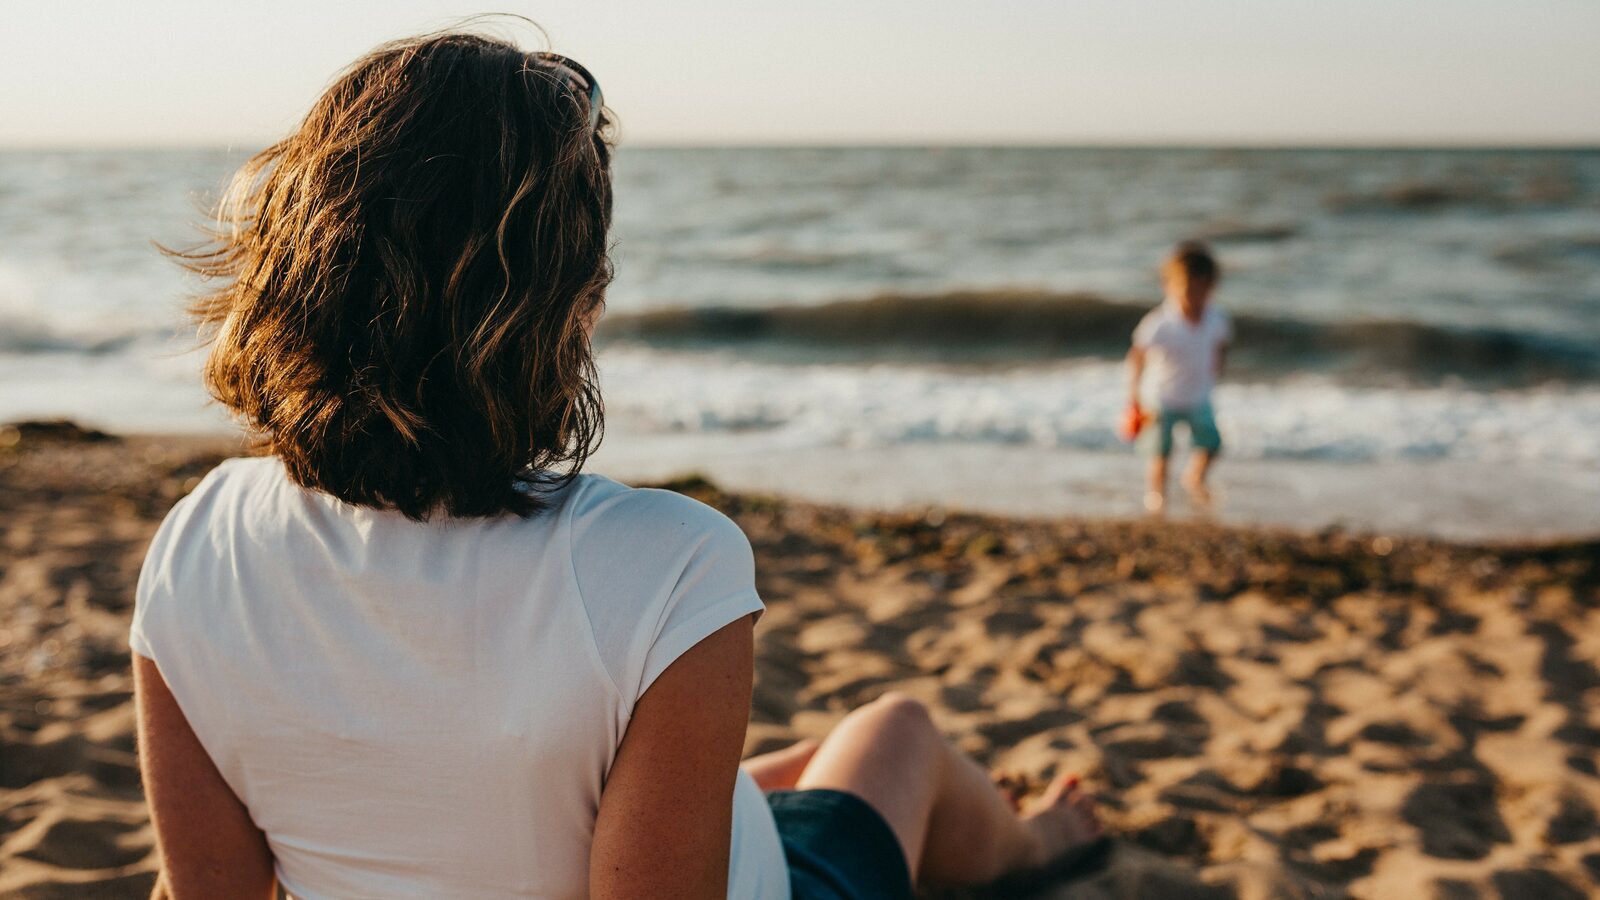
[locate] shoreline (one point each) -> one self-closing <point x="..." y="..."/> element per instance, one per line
<point x="1468" y="503"/>
<point x="641" y="465"/>
<point x="1477" y="503"/>
<point x="1265" y="713"/>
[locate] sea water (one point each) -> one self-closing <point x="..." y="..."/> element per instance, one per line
<point x="1406" y="306"/>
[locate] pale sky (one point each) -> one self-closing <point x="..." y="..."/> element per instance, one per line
<point x="854" y="71"/>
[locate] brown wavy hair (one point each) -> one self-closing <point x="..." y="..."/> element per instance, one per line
<point x="407" y="281"/>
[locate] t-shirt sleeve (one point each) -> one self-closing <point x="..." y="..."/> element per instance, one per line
<point x="155" y="591"/>
<point x="1145" y="334"/>
<point x="138" y="639"/>
<point x="658" y="573"/>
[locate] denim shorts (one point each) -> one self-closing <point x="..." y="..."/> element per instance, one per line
<point x="838" y="847"/>
<point x="1156" y="441"/>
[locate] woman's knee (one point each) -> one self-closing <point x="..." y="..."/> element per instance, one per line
<point x="897" y="715"/>
<point x="891" y="733"/>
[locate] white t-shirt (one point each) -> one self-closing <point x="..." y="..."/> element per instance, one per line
<point x="1182" y="355"/>
<point x="416" y="710"/>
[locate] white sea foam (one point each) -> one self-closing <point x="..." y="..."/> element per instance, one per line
<point x="1066" y="407"/>
<point x="1076" y="406"/>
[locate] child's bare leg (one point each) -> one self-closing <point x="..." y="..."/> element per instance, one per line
<point x="1155" y="496"/>
<point x="780" y="769"/>
<point x="953" y="824"/>
<point x="1194" y="479"/>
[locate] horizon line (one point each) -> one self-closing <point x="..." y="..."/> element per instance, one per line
<point x="1573" y="144"/>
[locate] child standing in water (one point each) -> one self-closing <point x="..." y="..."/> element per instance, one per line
<point x="1184" y="342"/>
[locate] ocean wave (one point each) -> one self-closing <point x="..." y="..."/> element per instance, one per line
<point x="1545" y="189"/>
<point x="25" y="334"/>
<point x="1015" y="327"/>
<point x="1075" y="406"/>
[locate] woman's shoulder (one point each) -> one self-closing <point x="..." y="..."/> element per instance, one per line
<point x="600" y="503"/>
<point x="225" y="481"/>
<point x="656" y="572"/>
<point x="183" y="546"/>
<point x="234" y="473"/>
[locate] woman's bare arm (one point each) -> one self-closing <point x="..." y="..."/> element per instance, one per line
<point x="665" y="818"/>
<point x="209" y="846"/>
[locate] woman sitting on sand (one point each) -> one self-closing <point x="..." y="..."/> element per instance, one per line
<point x="398" y="656"/>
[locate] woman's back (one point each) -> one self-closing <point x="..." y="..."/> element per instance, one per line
<point x="382" y="662"/>
<point x="424" y="709"/>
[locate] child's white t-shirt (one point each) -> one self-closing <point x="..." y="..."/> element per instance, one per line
<point x="416" y="710"/>
<point x="1182" y="355"/>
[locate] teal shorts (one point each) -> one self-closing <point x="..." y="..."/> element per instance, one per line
<point x="1156" y="441"/>
<point x="838" y="847"/>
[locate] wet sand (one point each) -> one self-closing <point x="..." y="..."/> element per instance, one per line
<point x="1458" y="500"/>
<point x="1266" y="713"/>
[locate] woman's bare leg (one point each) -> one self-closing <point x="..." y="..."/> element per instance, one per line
<point x="780" y="769"/>
<point x="954" y="825"/>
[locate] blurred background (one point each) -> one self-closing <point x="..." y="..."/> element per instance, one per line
<point x="891" y="253"/>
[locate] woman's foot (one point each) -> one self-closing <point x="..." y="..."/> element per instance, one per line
<point x="1013" y="787"/>
<point x="1064" y="820"/>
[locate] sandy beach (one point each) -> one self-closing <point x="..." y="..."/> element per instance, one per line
<point x="1265" y="713"/>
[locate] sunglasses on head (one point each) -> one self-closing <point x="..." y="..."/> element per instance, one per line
<point x="579" y="80"/>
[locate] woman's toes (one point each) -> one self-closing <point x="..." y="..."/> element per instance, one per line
<point x="1012" y="787"/>
<point x="1083" y="820"/>
<point x="1059" y="788"/>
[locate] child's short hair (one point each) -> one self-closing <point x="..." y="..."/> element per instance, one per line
<point x="408" y="277"/>
<point x="1193" y="261"/>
